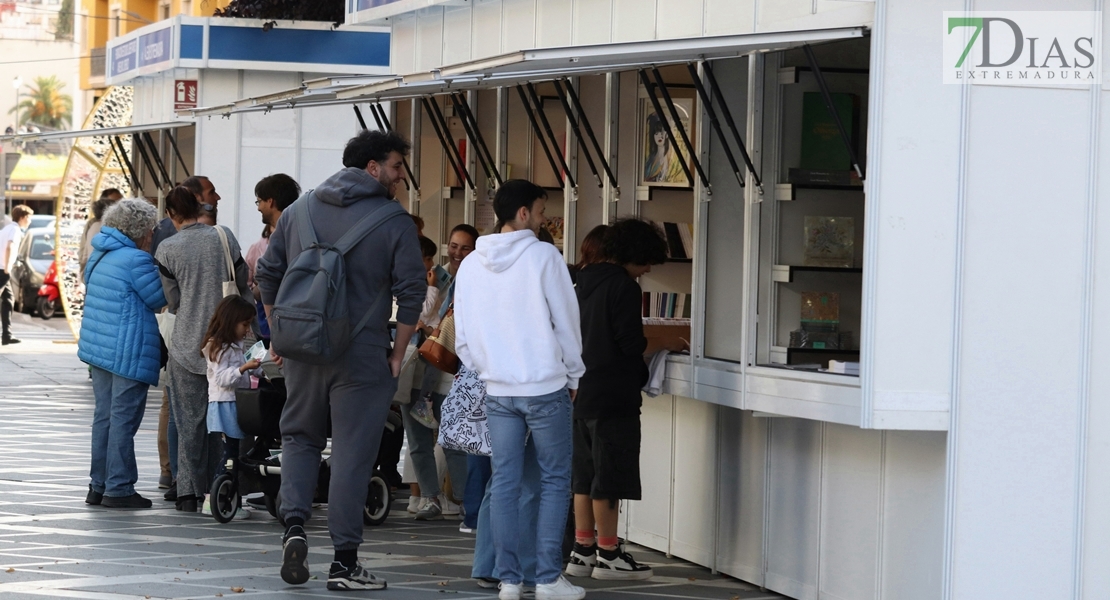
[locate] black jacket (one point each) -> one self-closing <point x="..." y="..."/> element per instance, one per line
<point x="613" y="343"/>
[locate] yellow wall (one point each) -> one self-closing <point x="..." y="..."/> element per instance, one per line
<point x="98" y="24"/>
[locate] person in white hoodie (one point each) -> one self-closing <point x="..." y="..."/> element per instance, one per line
<point x="517" y="326"/>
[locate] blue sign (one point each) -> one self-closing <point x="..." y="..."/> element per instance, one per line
<point x="149" y="49"/>
<point x="365" y="4"/>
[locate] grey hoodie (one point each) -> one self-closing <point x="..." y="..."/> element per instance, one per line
<point x="386" y="261"/>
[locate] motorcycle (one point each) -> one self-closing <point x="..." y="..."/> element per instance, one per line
<point x="49" y="301"/>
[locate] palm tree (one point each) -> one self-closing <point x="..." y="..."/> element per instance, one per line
<point x="45" y="104"/>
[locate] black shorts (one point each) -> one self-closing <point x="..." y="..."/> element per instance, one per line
<point x="607" y="458"/>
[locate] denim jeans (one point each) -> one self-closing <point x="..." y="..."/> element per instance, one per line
<point x="548" y="419"/>
<point x="478" y="471"/>
<point x="422" y="443"/>
<point x="120" y="404"/>
<point x="485" y="557"/>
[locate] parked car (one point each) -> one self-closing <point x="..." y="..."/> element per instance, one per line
<point x="36" y="253"/>
<point x="41" y="221"/>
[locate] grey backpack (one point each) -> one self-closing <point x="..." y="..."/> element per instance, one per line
<point x="310" y="322"/>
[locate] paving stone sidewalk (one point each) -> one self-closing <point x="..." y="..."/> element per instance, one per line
<point x="52" y="545"/>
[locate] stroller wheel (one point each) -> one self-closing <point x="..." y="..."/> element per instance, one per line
<point x="225" y="498"/>
<point x="378" y="500"/>
<point x="273" y="506"/>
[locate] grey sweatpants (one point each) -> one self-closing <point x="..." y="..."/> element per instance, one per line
<point x="358" y="389"/>
<point x="189" y="403"/>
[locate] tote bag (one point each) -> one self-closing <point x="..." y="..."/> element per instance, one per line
<point x="462" y="423"/>
<point x="230" y="287"/>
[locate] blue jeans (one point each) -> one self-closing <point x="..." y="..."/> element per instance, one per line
<point x="120" y="405"/>
<point x="478" y="471"/>
<point x="484" y="555"/>
<point x="548" y="419"/>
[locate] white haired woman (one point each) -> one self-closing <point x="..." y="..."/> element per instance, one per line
<point x="120" y="341"/>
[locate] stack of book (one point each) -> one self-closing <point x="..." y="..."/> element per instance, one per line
<point x="846" y="368"/>
<point x="666" y="305"/>
<point x="680" y="240"/>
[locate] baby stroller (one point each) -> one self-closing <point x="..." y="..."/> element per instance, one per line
<point x="259" y="414"/>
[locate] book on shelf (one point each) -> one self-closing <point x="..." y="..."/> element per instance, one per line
<point x="844" y="367"/>
<point x="665" y="305"/>
<point x="680" y="240"/>
<point x="829" y="242"/>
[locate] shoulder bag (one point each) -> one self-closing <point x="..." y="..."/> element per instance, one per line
<point x="230" y="287"/>
<point x="439" y="348"/>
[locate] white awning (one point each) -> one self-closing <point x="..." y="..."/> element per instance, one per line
<point x="76" y="133"/>
<point x="543" y="64"/>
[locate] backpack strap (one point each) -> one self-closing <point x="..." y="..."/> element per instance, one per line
<point x="368" y="224"/>
<point x="304" y="222"/>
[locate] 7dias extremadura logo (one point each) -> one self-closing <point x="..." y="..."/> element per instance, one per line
<point x="1023" y="48"/>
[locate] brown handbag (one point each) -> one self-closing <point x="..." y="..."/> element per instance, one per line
<point x="439" y="348"/>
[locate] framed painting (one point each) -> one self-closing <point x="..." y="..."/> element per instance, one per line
<point x="660" y="159"/>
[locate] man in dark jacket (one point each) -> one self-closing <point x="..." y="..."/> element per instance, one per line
<point x="359" y="385"/>
<point x="607" y="410"/>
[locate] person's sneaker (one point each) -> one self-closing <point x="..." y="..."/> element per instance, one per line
<point x="430" y="510"/>
<point x="132" y="501"/>
<point x="93" y="497"/>
<point x="353" y="578"/>
<point x="487" y="583"/>
<point x="243" y="513"/>
<point x="560" y="589"/>
<point x="464" y="529"/>
<point x="449" y="508"/>
<point x="619" y="565"/>
<point x="7" y="341"/>
<point x="510" y="591"/>
<point x="294" y="556"/>
<point x="164" y="482"/>
<point x="206" y="508"/>
<point x="256" y="501"/>
<point x="582" y="560"/>
<point x="414" y="504"/>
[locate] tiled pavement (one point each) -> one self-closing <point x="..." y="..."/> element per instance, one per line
<point x="52" y="545"/>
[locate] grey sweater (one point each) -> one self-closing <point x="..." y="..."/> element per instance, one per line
<point x="386" y="261"/>
<point x="193" y="270"/>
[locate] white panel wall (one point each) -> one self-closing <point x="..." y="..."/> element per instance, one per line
<point x="649" y="521"/>
<point x="694" y="525"/>
<point x="912" y="528"/>
<point x="633" y="20"/>
<point x="911" y="221"/>
<point x="554" y="23"/>
<point x="457" y="42"/>
<point x="793" y="512"/>
<point x="593" y="22"/>
<point x="217" y="141"/>
<point x="741" y="494"/>
<point x="519" y="30"/>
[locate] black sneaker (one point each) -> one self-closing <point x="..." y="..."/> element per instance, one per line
<point x="7" y="341"/>
<point x="132" y="501"/>
<point x="294" y="556"/>
<point x="352" y="578"/>
<point x="583" y="559"/>
<point x="619" y="565"/>
<point x="94" y="497"/>
<point x="171" y="495"/>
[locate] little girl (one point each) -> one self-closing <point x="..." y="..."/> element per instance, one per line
<point x="222" y="347"/>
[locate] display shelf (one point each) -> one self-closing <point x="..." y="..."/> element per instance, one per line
<point x="785" y="192"/>
<point x="785" y="273"/>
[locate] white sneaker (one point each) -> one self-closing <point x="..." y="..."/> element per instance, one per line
<point x="243" y="513"/>
<point x="450" y="509"/>
<point x="206" y="508"/>
<point x="560" y="589"/>
<point x="510" y="591"/>
<point x="617" y="565"/>
<point x="414" y="504"/>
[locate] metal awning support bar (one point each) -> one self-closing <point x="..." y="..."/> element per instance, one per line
<point x="727" y="114"/>
<point x="821" y="83"/>
<point x="650" y="87"/>
<point x="716" y="124"/>
<point x="590" y="133"/>
<point x="378" y="110"/>
<point x="157" y="158"/>
<point x="358" y="115"/>
<point x="173" y="142"/>
<point x="121" y="156"/>
<point x="682" y="131"/>
<point x="551" y="135"/>
<point x="374" y="110"/>
<point x="577" y="130"/>
<point x="473" y="138"/>
<point x="539" y="133"/>
<point x="377" y="117"/>
<point x="440" y="125"/>
<point x="138" y="142"/>
<point x="468" y="115"/>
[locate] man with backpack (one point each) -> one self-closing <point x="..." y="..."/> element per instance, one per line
<point x="327" y="281"/>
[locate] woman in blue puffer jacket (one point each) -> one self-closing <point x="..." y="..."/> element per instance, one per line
<point x="120" y="341"/>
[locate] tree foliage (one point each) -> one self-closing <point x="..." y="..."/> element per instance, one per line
<point x="45" y="104"/>
<point x="64" y="30"/>
<point x="295" y="10"/>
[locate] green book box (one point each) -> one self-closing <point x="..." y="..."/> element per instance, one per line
<point x="822" y="147"/>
